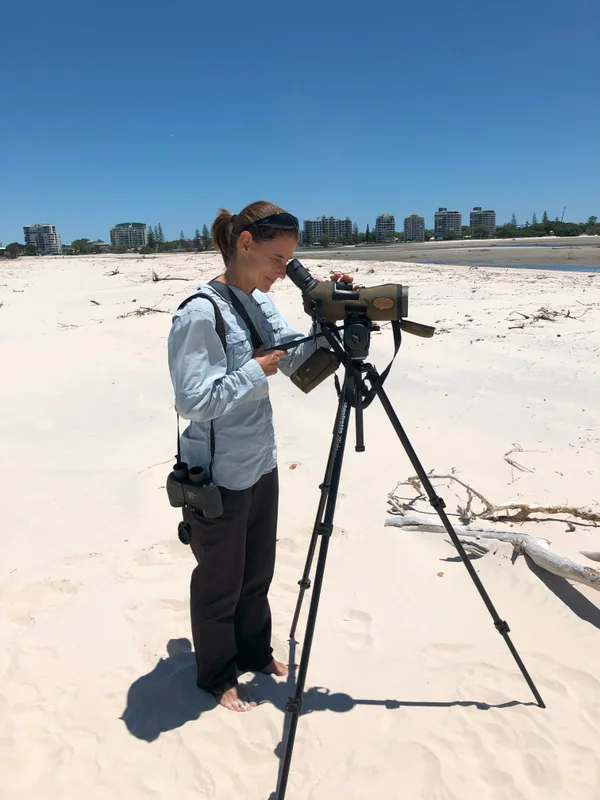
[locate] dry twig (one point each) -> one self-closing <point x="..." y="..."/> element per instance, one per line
<point x="516" y="449"/>
<point x="544" y="314"/>
<point x="142" y="310"/>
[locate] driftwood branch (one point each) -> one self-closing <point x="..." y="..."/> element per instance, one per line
<point x="504" y="512"/>
<point x="156" y="278"/>
<point x="535" y="547"/>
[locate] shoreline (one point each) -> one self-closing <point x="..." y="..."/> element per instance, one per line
<point x="565" y="254"/>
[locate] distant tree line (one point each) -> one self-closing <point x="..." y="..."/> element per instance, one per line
<point x="546" y="227"/>
<point x="15" y="249"/>
<point x="157" y="243"/>
<point x="202" y="240"/>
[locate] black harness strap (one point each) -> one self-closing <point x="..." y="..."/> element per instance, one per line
<point x="220" y="329"/>
<point x="235" y="301"/>
<point x="219" y="323"/>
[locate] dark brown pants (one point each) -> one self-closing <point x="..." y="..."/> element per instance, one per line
<point x="231" y="618"/>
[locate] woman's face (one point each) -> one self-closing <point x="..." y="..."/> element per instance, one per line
<point x="264" y="262"/>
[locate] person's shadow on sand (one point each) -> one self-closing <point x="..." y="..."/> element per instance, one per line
<point x="167" y="697"/>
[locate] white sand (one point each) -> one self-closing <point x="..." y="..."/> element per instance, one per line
<point x="94" y="581"/>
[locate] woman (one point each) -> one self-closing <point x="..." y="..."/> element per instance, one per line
<point x="224" y="393"/>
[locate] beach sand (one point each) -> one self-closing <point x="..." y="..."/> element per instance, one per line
<point x="411" y="691"/>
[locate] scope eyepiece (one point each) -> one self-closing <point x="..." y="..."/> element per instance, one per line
<point x="300" y="276"/>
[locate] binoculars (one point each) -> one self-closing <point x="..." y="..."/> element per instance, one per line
<point x="194" y="487"/>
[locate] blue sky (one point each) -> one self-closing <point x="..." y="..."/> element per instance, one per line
<point x="155" y="111"/>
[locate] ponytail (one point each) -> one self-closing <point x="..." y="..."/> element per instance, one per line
<point x="227" y="227"/>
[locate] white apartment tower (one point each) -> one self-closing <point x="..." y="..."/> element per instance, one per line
<point x="129" y="234"/>
<point x="483" y="219"/>
<point x="334" y="229"/>
<point x="446" y="221"/>
<point x="44" y="237"/>
<point x="385" y="226"/>
<point x="414" y="228"/>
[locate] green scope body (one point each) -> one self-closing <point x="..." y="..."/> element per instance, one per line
<point x="334" y="302"/>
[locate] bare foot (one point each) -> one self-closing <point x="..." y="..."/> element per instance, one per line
<point x="238" y="698"/>
<point x="275" y="668"/>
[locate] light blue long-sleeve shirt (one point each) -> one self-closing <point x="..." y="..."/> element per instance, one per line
<point x="229" y="388"/>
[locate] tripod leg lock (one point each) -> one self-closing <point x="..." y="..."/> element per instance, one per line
<point x="502" y="626"/>
<point x="325" y="529"/>
<point x="294" y="705"/>
<point x="437" y="502"/>
<point x="304" y="584"/>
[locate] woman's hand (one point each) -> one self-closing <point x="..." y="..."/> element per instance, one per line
<point x="342" y="277"/>
<point x="269" y="362"/>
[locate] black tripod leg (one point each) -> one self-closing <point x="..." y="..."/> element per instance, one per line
<point x="294" y="705"/>
<point x="304" y="582"/>
<point x="439" y="505"/>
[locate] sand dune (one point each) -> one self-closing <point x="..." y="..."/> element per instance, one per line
<point x="411" y="692"/>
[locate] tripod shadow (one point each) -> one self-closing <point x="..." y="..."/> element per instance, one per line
<point x="577" y="602"/>
<point x="320" y="699"/>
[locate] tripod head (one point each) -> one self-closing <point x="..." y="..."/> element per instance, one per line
<point x="357" y="335"/>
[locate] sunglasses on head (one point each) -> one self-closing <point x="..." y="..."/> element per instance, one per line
<point x="284" y="221"/>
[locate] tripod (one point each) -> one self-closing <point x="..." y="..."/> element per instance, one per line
<point x="355" y="394"/>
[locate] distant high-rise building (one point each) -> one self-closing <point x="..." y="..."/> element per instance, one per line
<point x="129" y="234"/>
<point x="335" y="229"/>
<point x="44" y="237"/>
<point x="414" y="228"/>
<point x="446" y="221"/>
<point x="312" y="231"/>
<point x="385" y="225"/>
<point x="483" y="219"/>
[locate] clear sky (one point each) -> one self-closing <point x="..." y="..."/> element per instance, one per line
<point x="164" y="111"/>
